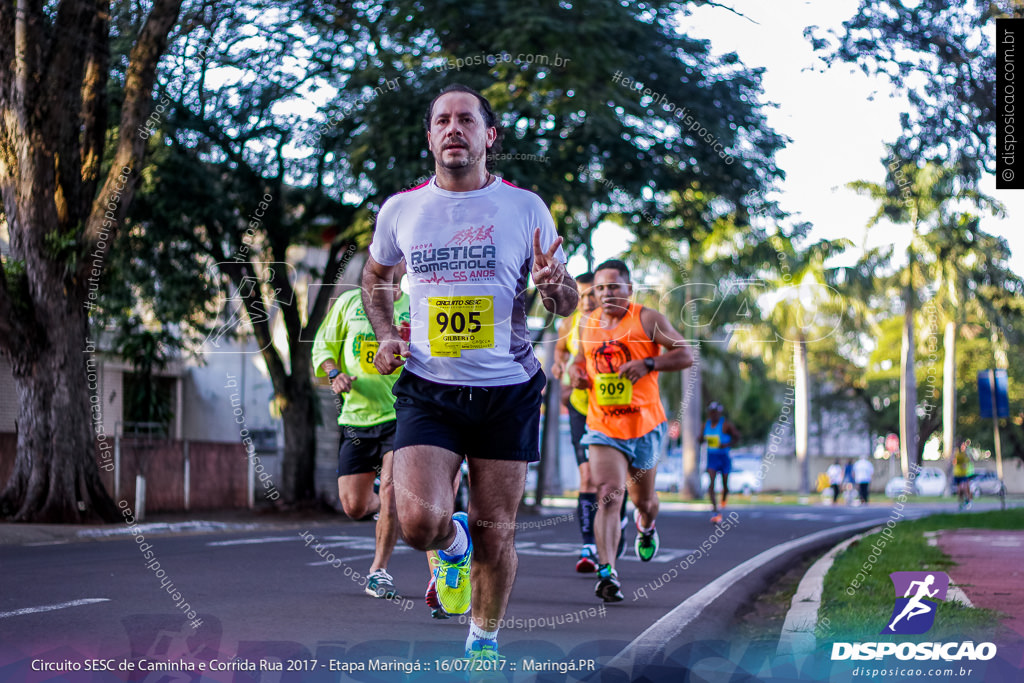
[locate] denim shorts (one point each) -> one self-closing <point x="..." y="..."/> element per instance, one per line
<point x="642" y="452"/>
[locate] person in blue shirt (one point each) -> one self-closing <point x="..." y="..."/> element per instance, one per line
<point x="719" y="434"/>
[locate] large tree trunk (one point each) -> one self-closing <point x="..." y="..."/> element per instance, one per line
<point x="298" y="467"/>
<point x="55" y="476"/>
<point x="949" y="393"/>
<point x="801" y="412"/>
<point x="53" y="78"/>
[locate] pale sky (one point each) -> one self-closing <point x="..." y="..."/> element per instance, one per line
<point x="838" y="119"/>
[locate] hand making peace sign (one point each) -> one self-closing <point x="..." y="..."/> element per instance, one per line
<point x="547" y="270"/>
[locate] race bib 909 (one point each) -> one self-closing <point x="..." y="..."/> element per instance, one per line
<point x="612" y="390"/>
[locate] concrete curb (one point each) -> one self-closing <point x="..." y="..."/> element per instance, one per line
<point x="797" y="637"/>
<point x="715" y="605"/>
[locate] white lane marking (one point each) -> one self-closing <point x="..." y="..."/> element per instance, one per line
<point x="572" y="549"/>
<point x="368" y="556"/>
<point x="42" y="543"/>
<point x="167" y="527"/>
<point x="51" y="608"/>
<point x="357" y="542"/>
<point x="254" y="541"/>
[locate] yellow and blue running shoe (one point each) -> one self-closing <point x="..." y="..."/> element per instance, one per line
<point x="450" y="581"/>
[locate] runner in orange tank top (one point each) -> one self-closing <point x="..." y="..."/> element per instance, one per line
<point x="620" y="356"/>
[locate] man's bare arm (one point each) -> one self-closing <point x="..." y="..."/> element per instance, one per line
<point x="378" y="300"/>
<point x="730" y="429"/>
<point x="379" y="305"/>
<point x="660" y="330"/>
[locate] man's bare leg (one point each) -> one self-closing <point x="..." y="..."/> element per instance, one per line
<point x="424" y="499"/>
<point x="645" y="498"/>
<point x="712" y="476"/>
<point x="387" y="529"/>
<point x="496" y="487"/>
<point x="608" y="472"/>
<point x="355" y="491"/>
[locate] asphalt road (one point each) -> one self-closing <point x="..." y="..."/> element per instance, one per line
<point x="264" y="597"/>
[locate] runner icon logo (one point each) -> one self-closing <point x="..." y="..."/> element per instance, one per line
<point x="914" y="612"/>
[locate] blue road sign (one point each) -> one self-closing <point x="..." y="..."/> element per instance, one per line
<point x="985" y="393"/>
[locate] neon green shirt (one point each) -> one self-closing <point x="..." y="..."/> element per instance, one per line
<point x="346" y="337"/>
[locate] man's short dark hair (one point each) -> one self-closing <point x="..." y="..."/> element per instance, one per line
<point x="615" y="264"/>
<point x="585" y="279"/>
<point x="490" y="118"/>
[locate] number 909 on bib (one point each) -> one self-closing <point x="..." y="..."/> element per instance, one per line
<point x="612" y="390"/>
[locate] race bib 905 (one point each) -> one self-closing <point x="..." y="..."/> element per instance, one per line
<point x="460" y="323"/>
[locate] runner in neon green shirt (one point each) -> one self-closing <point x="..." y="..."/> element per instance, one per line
<point x="343" y="350"/>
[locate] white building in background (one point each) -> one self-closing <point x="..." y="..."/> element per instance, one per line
<point x="203" y="406"/>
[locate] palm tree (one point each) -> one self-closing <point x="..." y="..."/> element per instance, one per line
<point x="922" y="197"/>
<point x="804" y="308"/>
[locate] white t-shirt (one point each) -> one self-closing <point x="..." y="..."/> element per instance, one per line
<point x="862" y="471"/>
<point x="469" y="257"/>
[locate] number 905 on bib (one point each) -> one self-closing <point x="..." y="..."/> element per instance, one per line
<point x="460" y="323"/>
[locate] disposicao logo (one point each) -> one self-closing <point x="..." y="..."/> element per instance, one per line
<point x="918" y="595"/>
<point x="914" y="612"/>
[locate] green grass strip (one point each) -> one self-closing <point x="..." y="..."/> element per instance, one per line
<point x="862" y="615"/>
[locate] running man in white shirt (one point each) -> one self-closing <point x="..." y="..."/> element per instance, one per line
<point x="471" y="386"/>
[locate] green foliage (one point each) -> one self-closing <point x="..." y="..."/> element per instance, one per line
<point x="160" y="266"/>
<point x="17" y="285"/>
<point x="881" y="382"/>
<point x="607" y="149"/>
<point x="63" y="246"/>
<point x="941" y="56"/>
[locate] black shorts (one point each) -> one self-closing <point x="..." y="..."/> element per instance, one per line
<point x="577" y="426"/>
<point x="494" y="423"/>
<point x="362" y="448"/>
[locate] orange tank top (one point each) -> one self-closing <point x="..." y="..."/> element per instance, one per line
<point x="618" y="408"/>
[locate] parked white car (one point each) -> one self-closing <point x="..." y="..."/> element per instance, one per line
<point x="930" y="481"/>
<point x="897" y="485"/>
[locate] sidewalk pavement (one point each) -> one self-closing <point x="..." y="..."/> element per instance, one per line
<point x="990" y="570"/>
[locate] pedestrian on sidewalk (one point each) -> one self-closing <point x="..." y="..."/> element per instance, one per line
<point x="863" y="470"/>
<point x="835" y="479"/>
<point x="848" y="485"/>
